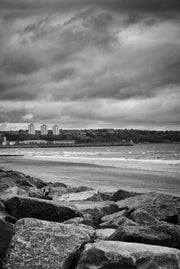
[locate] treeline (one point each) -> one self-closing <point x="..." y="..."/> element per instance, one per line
<point x="101" y="135"/>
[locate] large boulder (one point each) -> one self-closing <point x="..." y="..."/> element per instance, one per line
<point x="6" y="232"/>
<point x="122" y="194"/>
<point x="162" y="233"/>
<point x="161" y="206"/>
<point x="46" y="245"/>
<point x="116" y="255"/>
<point x="92" y="195"/>
<point x="22" y="207"/>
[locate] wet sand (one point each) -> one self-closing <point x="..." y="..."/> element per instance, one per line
<point x="102" y="177"/>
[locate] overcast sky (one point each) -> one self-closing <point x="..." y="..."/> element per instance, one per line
<point x="90" y="63"/>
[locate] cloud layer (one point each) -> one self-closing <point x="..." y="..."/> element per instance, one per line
<point x="90" y="64"/>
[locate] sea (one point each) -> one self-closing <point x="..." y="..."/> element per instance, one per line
<point x="141" y="167"/>
<point x="163" y="152"/>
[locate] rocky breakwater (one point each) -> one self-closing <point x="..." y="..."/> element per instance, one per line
<point x="53" y="225"/>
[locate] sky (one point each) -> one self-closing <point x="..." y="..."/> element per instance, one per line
<point x="90" y="64"/>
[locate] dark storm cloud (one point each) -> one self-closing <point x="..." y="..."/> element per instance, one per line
<point x="17" y="63"/>
<point x="63" y="74"/>
<point x="140" y="5"/>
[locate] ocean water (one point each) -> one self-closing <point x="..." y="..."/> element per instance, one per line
<point x="142" y="167"/>
<point x="164" y="157"/>
<point x="138" y="151"/>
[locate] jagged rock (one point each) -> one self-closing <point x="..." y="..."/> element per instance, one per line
<point x="162" y="233"/>
<point x="56" y="184"/>
<point x="12" y="191"/>
<point x="96" y="209"/>
<point x="78" y="189"/>
<point x="21" y="207"/>
<point x="122" y="194"/>
<point x="38" y="183"/>
<point x="106" y="196"/>
<point x="116" y="255"/>
<point x="3" y="211"/>
<point x="116" y="223"/>
<point x="161" y="206"/>
<point x="6" y="232"/>
<point x="114" y="216"/>
<point x="46" y="245"/>
<point x="6" y="183"/>
<point x="16" y="175"/>
<point x="25" y="183"/>
<point x="81" y="196"/>
<point x="54" y="192"/>
<point x="86" y="220"/>
<point x="104" y="234"/>
<point x="142" y="217"/>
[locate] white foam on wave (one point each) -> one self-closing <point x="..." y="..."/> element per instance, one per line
<point x="140" y="164"/>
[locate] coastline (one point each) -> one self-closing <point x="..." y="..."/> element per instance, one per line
<point x="129" y="175"/>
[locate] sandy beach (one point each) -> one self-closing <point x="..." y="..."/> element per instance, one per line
<point x="129" y="175"/>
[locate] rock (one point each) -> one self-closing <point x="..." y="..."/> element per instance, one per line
<point x="25" y="183"/>
<point x="6" y="183"/>
<point x="4" y="214"/>
<point x="116" y="223"/>
<point x="103" y="207"/>
<point x="82" y="196"/>
<point x="114" y="216"/>
<point x="13" y="191"/>
<point x="46" y="245"/>
<point x="106" y="196"/>
<point x="122" y="194"/>
<point x="116" y="255"/>
<point x="96" y="209"/>
<point x="2" y="174"/>
<point x="162" y="233"/>
<point x="57" y="184"/>
<point x="38" y="183"/>
<point x="86" y="220"/>
<point x="16" y="175"/>
<point x="160" y="206"/>
<point x="78" y="189"/>
<point x="6" y="232"/>
<point x="142" y="217"/>
<point x="54" y="192"/>
<point x="21" y="207"/>
<point x="10" y="219"/>
<point x="104" y="234"/>
<point x="77" y="220"/>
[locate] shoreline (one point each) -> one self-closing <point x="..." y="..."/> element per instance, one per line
<point x="101" y="177"/>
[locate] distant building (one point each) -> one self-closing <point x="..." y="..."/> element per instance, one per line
<point x="63" y="142"/>
<point x="31" y="129"/>
<point x="4" y="141"/>
<point x="55" y="130"/>
<point x="44" y="130"/>
<point x="32" y="142"/>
